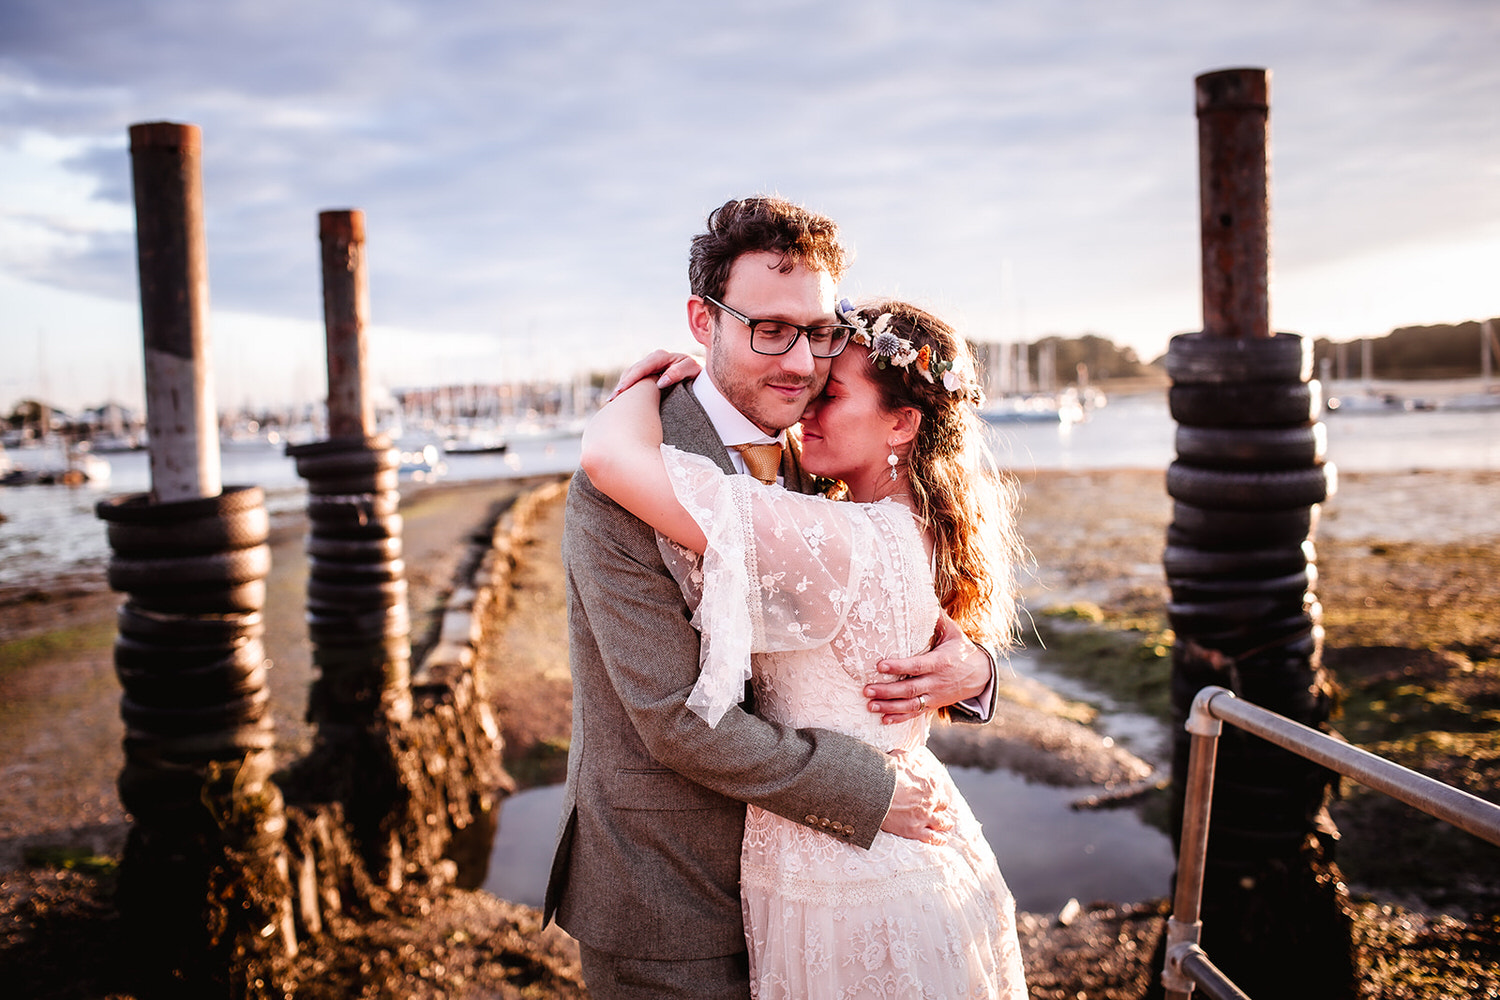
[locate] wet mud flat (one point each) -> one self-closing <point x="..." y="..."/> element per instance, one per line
<point x="1412" y="638"/>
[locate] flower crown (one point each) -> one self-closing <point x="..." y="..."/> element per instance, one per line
<point x="886" y="348"/>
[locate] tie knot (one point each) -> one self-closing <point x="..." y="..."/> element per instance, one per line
<point x="762" y="461"/>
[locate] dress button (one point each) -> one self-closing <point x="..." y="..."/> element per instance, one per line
<point x="825" y="822"/>
<point x="812" y="819"/>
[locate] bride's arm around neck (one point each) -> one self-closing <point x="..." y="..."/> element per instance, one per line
<point x="622" y="457"/>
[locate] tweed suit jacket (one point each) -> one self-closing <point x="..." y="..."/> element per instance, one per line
<point x="648" y="849"/>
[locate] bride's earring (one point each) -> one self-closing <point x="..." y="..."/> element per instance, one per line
<point x="891" y="461"/>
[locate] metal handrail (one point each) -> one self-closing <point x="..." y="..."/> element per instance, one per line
<point x="1187" y="966"/>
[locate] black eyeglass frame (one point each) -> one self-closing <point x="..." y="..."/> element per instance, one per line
<point x="802" y="331"/>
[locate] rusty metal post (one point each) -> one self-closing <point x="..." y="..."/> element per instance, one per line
<point x="357" y="612"/>
<point x="346" y="307"/>
<point x="1250" y="475"/>
<point x="181" y="417"/>
<point x="1234" y="201"/>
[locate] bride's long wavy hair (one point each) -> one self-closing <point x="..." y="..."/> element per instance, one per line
<point x="958" y="489"/>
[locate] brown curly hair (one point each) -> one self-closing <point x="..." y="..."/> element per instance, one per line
<point x="769" y="224"/>
<point x="957" y="488"/>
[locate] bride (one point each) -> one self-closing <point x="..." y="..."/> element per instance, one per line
<point x="802" y="596"/>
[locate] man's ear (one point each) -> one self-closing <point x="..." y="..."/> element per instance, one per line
<point x="700" y="321"/>
<point x="908" y="422"/>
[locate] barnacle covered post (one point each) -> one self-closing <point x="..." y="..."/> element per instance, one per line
<point x="1247" y="483"/>
<point x="204" y="889"/>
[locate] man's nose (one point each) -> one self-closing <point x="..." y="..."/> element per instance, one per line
<point x="799" y="360"/>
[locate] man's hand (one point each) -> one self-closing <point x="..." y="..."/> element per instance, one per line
<point x="668" y="368"/>
<point x="953" y="670"/>
<point x="920" y="809"/>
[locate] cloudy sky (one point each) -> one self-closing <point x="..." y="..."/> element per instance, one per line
<point x="531" y="172"/>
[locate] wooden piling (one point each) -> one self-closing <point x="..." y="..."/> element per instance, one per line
<point x="181" y="415"/>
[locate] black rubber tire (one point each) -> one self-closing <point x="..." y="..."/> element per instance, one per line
<point x="1209" y="359"/>
<point x="1197" y="617"/>
<point x="187" y="689"/>
<point x="1184" y="560"/>
<point x="134" y="654"/>
<point x="337" y="464"/>
<point x="356" y="484"/>
<point x="138" y="574"/>
<point x="187" y="630"/>
<point x="1204" y="528"/>
<point x="356" y="595"/>
<point x="369" y="656"/>
<point x="1223" y="489"/>
<point x="355" y="572"/>
<point x="138" y="508"/>
<point x="240" y="529"/>
<point x="359" y="628"/>
<point x="338" y="446"/>
<point x="355" y="550"/>
<point x="1191" y="590"/>
<point x="205" y="719"/>
<point x="1252" y="448"/>
<point x="1252" y="404"/>
<point x="236" y="599"/>
<point x="339" y="516"/>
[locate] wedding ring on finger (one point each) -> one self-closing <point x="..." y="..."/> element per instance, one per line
<point x="922" y="702"/>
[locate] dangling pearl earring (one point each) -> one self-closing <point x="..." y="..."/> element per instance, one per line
<point x="891" y="461"/>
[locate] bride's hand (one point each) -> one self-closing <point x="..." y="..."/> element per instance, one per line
<point x="668" y="367"/>
<point x="920" y="808"/>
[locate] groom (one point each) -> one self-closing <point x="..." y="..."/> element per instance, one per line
<point x="646" y="870"/>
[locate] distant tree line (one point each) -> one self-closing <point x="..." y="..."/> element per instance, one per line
<point x="1411" y="352"/>
<point x="1103" y="358"/>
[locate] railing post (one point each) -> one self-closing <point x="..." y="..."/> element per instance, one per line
<point x="1184" y="928"/>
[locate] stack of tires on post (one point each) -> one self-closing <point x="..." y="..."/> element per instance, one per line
<point x="198" y="735"/>
<point x="357" y="613"/>
<point x="1247" y="483"/>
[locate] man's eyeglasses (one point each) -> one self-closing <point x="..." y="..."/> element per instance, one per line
<point x="774" y="336"/>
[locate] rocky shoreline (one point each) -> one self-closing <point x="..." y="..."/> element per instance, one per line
<point x="1096" y="538"/>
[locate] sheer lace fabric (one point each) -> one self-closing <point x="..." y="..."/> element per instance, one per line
<point x="818" y="591"/>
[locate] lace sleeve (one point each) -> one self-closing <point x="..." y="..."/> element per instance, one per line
<point x="777" y="574"/>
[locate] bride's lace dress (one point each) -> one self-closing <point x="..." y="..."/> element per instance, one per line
<point x="820" y="591"/>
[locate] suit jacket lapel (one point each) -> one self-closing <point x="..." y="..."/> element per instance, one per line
<point x="685" y="425"/>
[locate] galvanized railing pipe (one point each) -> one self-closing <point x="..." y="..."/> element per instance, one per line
<point x="1452" y="805"/>
<point x="1185" y="925"/>
<point x="1187" y="966"/>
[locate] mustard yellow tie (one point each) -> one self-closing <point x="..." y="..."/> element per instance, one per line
<point x="762" y="461"/>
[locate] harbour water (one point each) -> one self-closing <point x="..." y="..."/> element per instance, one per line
<point x="51" y="531"/>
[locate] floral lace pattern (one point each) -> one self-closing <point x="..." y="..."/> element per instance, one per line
<point x="818" y="592"/>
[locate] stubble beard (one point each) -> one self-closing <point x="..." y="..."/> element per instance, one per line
<point x="748" y="398"/>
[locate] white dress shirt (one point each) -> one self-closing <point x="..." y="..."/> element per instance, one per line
<point x="732" y="426"/>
